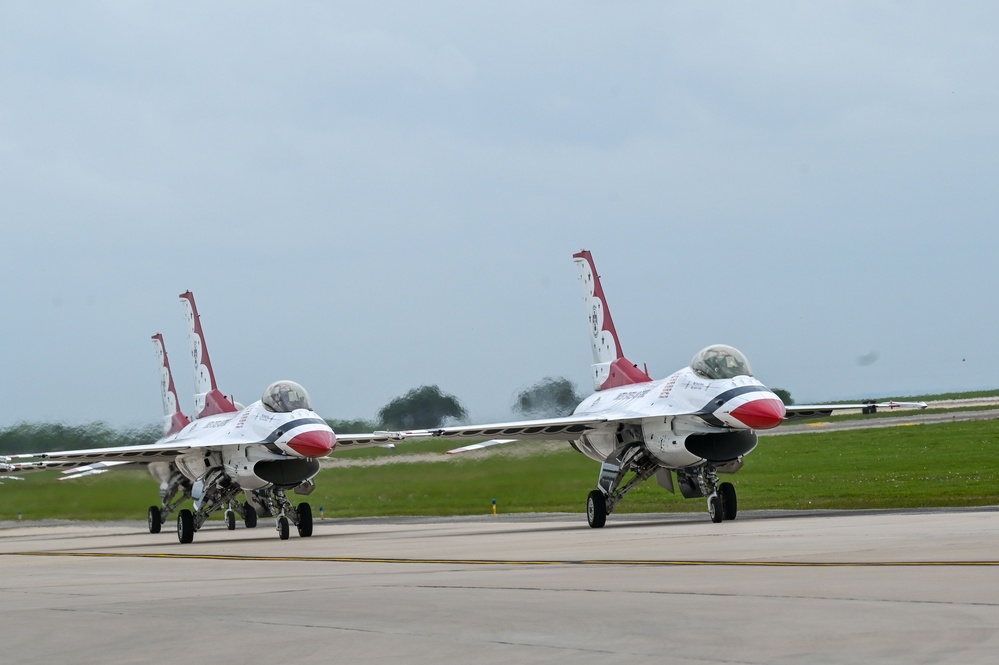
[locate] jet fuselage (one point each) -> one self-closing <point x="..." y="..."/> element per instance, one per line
<point x="669" y="415"/>
<point x="256" y="448"/>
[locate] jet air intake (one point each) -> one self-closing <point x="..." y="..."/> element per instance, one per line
<point x="721" y="446"/>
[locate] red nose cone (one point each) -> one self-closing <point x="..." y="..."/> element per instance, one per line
<point x="761" y="413"/>
<point x="317" y="443"/>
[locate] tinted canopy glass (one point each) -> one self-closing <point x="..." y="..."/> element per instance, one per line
<point x="719" y="361"/>
<point x="285" y="397"/>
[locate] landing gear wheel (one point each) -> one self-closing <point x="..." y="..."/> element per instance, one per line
<point x="729" y="503"/>
<point x="715" y="509"/>
<point x="155" y="519"/>
<point x="304" y="520"/>
<point x="230" y="520"/>
<point x="185" y="526"/>
<point x="249" y="516"/>
<point x="596" y="509"/>
<point x="282" y="527"/>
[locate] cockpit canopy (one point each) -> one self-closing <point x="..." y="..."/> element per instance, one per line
<point x="285" y="397"/>
<point x="719" y="361"/>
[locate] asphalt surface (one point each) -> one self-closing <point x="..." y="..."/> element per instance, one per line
<point x="917" y="586"/>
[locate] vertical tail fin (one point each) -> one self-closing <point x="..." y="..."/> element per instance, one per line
<point x="610" y="367"/>
<point x="174" y="419"/>
<point x="208" y="400"/>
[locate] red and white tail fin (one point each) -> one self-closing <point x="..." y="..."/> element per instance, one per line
<point x="174" y="419"/>
<point x="610" y="367"/>
<point x="208" y="401"/>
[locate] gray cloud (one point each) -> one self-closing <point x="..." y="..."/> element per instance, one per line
<point x="366" y="199"/>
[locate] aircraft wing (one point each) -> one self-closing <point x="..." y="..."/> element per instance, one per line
<point x="479" y="446"/>
<point x="546" y="429"/>
<point x="373" y="439"/>
<point x="77" y="469"/>
<point x="36" y="465"/>
<point x="98" y="460"/>
<point x="154" y="452"/>
<point x="798" y="411"/>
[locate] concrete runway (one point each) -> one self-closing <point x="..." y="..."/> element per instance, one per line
<point x="770" y="587"/>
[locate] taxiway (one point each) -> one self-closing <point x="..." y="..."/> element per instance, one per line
<point x="771" y="587"/>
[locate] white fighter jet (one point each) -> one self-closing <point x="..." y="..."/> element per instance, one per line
<point x="260" y="451"/>
<point x="696" y="423"/>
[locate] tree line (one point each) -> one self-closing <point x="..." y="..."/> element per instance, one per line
<point x="425" y="407"/>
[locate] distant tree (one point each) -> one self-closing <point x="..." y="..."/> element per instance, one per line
<point x="785" y="396"/>
<point x="423" y="407"/>
<point x="358" y="426"/>
<point x="550" y="397"/>
<point x="41" y="437"/>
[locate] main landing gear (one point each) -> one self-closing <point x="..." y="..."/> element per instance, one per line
<point x="699" y="481"/>
<point x="173" y="492"/>
<point x="722" y="505"/>
<point x="275" y="502"/>
<point x="245" y="510"/>
<point x="602" y="501"/>
<point x="301" y="517"/>
<point x="215" y="491"/>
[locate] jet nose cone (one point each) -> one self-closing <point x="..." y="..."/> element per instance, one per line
<point x="317" y="443"/>
<point x="761" y="413"/>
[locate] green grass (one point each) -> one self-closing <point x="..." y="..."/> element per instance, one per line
<point x="970" y="394"/>
<point x="111" y="496"/>
<point x="935" y="397"/>
<point x="950" y="464"/>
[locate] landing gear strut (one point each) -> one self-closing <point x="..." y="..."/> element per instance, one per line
<point x="601" y="502"/>
<point x="210" y="493"/>
<point x="246" y="511"/>
<point x="722" y="502"/>
<point x="173" y="492"/>
<point x="694" y="482"/>
<point x="276" y="502"/>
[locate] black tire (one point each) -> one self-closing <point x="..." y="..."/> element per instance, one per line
<point x="596" y="509"/>
<point x="304" y="520"/>
<point x="730" y="505"/>
<point x="155" y="518"/>
<point x="185" y="526"/>
<point x="282" y="527"/>
<point x="230" y="520"/>
<point x="249" y="516"/>
<point x="715" y="509"/>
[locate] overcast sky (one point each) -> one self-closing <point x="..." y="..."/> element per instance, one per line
<point x="370" y="196"/>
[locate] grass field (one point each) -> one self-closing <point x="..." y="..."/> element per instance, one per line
<point x="951" y="464"/>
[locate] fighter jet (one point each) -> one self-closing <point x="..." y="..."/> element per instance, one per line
<point x="226" y="451"/>
<point x="697" y="423"/>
